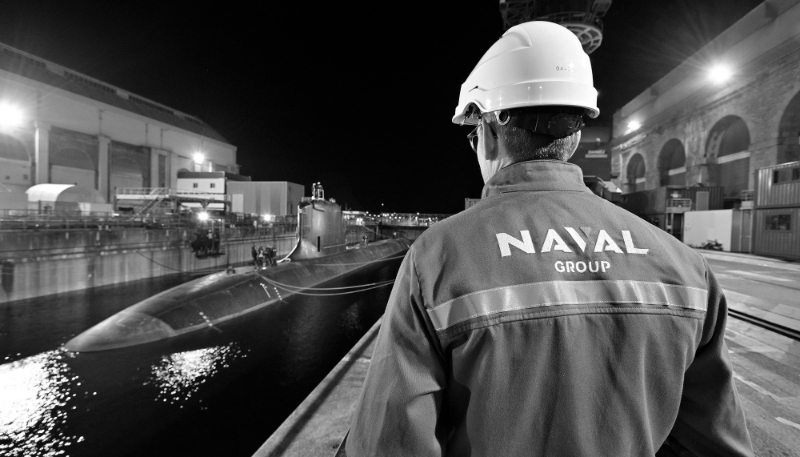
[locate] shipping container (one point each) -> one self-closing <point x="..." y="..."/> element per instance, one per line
<point x="778" y="185"/>
<point x="777" y="232"/>
<point x="776" y="228"/>
<point x="654" y="201"/>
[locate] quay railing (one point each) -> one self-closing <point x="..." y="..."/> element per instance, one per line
<point x="399" y="219"/>
<point x="74" y="220"/>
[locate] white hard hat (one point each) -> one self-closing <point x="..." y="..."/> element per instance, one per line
<point x="533" y="64"/>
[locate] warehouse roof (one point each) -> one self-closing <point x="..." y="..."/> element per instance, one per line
<point x="43" y="71"/>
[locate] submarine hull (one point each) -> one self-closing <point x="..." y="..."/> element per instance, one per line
<point x="210" y="300"/>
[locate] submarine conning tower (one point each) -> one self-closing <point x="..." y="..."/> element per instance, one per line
<point x="320" y="227"/>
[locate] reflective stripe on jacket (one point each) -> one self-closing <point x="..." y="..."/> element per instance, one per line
<point x="546" y="321"/>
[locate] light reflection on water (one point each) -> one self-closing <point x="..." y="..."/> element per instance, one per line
<point x="34" y="393"/>
<point x="180" y="375"/>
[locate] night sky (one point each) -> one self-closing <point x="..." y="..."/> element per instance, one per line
<point x="357" y="95"/>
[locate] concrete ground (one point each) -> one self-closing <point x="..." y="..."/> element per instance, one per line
<point x="763" y="287"/>
<point x="766" y="365"/>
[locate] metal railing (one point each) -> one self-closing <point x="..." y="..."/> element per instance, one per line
<point x="404" y="219"/>
<point x="574" y="17"/>
<point x="679" y="203"/>
<point x="152" y="193"/>
<point x="74" y="220"/>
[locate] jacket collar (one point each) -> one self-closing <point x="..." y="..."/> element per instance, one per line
<point x="536" y="175"/>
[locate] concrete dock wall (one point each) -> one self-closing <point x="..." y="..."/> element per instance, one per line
<point x="35" y="263"/>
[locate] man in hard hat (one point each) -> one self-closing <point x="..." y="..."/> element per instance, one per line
<point x="544" y="320"/>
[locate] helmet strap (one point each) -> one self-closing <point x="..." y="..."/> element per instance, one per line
<point x="557" y="125"/>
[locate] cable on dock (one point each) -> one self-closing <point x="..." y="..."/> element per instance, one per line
<point x="763" y="323"/>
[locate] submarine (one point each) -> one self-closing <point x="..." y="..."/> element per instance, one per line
<point x="320" y="254"/>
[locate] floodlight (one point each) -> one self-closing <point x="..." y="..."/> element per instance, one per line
<point x="10" y="115"/>
<point x="203" y="216"/>
<point x="198" y="158"/>
<point x="719" y="73"/>
<point x="633" y="125"/>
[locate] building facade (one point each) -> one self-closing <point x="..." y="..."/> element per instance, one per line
<point x="62" y="127"/>
<point x="727" y="111"/>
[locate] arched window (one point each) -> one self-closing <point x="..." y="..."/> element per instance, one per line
<point x="728" y="136"/>
<point x="12" y="149"/>
<point x="635" y="173"/>
<point x="125" y="173"/>
<point x="15" y="163"/>
<point x="126" y="166"/>
<point x="72" y="158"/>
<point x="727" y="149"/>
<point x="789" y="132"/>
<point x="72" y="166"/>
<point x="672" y="164"/>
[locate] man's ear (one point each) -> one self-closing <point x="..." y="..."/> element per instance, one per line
<point x="490" y="145"/>
<point x="577" y="142"/>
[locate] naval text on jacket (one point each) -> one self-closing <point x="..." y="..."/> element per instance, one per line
<point x="554" y="242"/>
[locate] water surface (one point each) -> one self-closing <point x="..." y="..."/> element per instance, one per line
<point x="208" y="393"/>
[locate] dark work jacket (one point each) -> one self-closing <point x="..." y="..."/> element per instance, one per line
<point x="546" y="321"/>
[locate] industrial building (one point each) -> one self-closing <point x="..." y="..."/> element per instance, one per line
<point x="58" y="126"/>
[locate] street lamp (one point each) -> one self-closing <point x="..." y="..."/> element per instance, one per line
<point x="10" y="115"/>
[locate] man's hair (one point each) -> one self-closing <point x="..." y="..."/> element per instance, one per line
<point x="523" y="144"/>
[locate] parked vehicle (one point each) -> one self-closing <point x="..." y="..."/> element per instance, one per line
<point x="713" y="245"/>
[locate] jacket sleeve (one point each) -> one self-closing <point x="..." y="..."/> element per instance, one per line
<point x="398" y="410"/>
<point x="711" y="418"/>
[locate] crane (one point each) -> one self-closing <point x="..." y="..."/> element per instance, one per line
<point x="581" y="17"/>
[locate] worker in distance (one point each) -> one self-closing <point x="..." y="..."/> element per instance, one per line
<point x="544" y="320"/>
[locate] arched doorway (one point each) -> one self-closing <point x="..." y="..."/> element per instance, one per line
<point x="72" y="166"/>
<point x="635" y="174"/>
<point x="729" y="157"/>
<point x="789" y="132"/>
<point x="15" y="163"/>
<point x="672" y="164"/>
